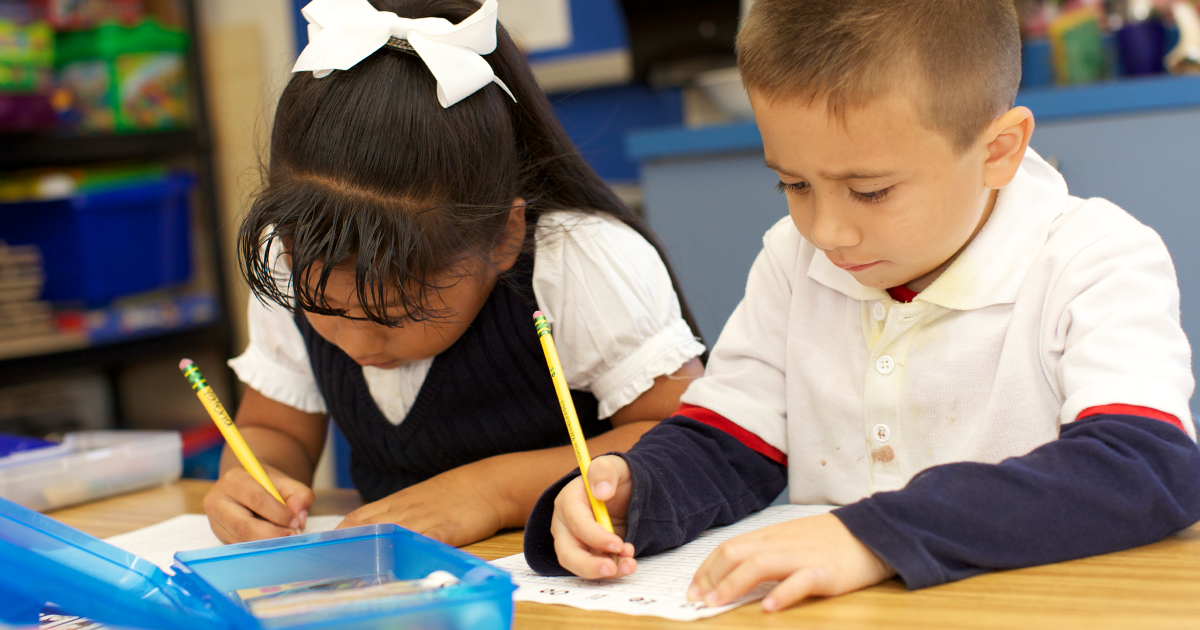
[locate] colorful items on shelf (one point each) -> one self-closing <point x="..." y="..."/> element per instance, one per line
<point x="1184" y="58"/>
<point x="58" y="183"/>
<point x="82" y="14"/>
<point x="26" y="68"/>
<point x="26" y="55"/>
<point x="130" y="321"/>
<point x="1077" y="46"/>
<point x="122" y="79"/>
<point x="1083" y="41"/>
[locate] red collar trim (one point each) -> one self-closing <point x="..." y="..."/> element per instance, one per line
<point x="902" y="294"/>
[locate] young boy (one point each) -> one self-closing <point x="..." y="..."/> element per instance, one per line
<point x="983" y="371"/>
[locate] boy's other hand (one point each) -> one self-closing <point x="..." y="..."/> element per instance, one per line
<point x="583" y="546"/>
<point x="809" y="556"/>
<point x="240" y="509"/>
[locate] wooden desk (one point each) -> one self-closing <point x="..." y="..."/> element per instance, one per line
<point x="1157" y="586"/>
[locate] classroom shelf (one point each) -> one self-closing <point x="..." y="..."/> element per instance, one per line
<point x="31" y="150"/>
<point x="1135" y="95"/>
<point x="113" y="355"/>
<point x="189" y="148"/>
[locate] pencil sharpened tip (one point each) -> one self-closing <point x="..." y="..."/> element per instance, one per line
<point x="184" y="363"/>
<point x="537" y="314"/>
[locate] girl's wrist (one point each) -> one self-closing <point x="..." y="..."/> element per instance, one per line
<point x="503" y="491"/>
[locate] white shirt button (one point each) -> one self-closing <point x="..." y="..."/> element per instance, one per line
<point x="879" y="312"/>
<point x="881" y="432"/>
<point x="884" y="365"/>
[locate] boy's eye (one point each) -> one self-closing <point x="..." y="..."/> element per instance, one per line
<point x="871" y="197"/>
<point x="797" y="187"/>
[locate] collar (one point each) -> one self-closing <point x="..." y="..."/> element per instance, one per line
<point x="993" y="266"/>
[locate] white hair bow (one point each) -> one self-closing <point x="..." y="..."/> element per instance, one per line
<point x="342" y="33"/>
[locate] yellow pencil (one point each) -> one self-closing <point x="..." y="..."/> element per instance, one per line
<point x="568" y="410"/>
<point x="225" y="424"/>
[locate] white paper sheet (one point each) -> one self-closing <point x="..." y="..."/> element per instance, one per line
<point x="187" y="532"/>
<point x="659" y="587"/>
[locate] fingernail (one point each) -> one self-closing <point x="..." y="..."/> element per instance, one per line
<point x="303" y="518"/>
<point x="711" y="599"/>
<point x="606" y="570"/>
<point x="294" y="523"/>
<point x="626" y="568"/>
<point x="769" y="603"/>
<point x="693" y="592"/>
<point x="613" y="548"/>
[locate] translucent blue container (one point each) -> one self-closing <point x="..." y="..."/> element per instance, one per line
<point x="45" y="560"/>
<point x="104" y="244"/>
<point x="482" y="601"/>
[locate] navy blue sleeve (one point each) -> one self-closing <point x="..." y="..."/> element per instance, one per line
<point x="1110" y="482"/>
<point x="687" y="477"/>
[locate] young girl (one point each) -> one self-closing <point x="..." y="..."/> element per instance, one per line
<point x="408" y="229"/>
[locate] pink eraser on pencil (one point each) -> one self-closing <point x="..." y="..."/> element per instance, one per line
<point x="184" y="363"/>
<point x="537" y="314"/>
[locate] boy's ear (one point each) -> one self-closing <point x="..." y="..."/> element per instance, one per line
<point x="1006" y="140"/>
<point x="509" y="248"/>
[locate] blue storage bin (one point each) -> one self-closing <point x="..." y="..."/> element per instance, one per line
<point x="45" y="560"/>
<point x="105" y="244"/>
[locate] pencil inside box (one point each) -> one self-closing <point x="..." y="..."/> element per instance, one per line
<point x="480" y="599"/>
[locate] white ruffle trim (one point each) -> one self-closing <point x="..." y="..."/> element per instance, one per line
<point x="267" y="379"/>
<point x="662" y="354"/>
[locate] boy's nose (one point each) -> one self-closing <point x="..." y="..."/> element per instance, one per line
<point x="831" y="230"/>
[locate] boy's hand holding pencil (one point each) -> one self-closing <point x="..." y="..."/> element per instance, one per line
<point x="584" y="547"/>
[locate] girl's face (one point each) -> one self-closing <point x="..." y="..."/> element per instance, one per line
<point x="463" y="291"/>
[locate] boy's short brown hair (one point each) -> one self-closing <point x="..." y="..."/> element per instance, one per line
<point x="964" y="56"/>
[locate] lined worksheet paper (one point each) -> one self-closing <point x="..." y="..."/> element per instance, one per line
<point x="188" y="532"/>
<point x="659" y="588"/>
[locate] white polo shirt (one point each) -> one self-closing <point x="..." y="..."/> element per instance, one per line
<point x="1058" y="305"/>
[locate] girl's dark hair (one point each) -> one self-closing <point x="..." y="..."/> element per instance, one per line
<point x="368" y="170"/>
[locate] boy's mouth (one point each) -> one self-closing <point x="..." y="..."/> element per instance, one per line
<point x="856" y="267"/>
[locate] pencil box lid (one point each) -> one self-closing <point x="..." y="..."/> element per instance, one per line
<point x="43" y="560"/>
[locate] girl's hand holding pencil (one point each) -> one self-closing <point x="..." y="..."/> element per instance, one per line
<point x="584" y="547"/>
<point x="240" y="509"/>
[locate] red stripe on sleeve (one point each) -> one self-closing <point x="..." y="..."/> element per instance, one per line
<point x="1132" y="410"/>
<point x="717" y="421"/>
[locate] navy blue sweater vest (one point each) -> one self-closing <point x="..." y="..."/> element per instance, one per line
<point x="489" y="393"/>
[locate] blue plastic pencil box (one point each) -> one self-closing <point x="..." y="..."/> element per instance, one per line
<point x="45" y="561"/>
